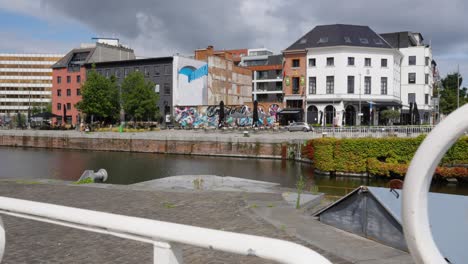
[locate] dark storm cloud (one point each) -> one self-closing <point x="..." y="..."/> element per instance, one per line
<point x="181" y="26"/>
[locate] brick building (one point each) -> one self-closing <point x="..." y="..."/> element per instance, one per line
<point x="69" y="74"/>
<point x="226" y="81"/>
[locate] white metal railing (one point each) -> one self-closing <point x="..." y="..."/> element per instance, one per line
<point x="417" y="182"/>
<point x="377" y="131"/>
<point x="160" y="234"/>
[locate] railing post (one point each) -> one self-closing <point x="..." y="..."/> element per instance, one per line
<point x="2" y="240"/>
<point x="165" y="253"/>
<point x="415" y="216"/>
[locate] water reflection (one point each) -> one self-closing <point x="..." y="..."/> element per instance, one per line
<point x="128" y="168"/>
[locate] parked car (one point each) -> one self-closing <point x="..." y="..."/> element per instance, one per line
<point x="299" y="126"/>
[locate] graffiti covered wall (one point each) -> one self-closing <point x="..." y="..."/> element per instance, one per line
<point x="235" y="116"/>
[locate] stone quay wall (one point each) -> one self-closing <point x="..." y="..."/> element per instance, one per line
<point x="152" y="143"/>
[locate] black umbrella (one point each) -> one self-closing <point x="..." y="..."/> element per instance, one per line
<point x="255" y="113"/>
<point x="65" y="114"/>
<point x="221" y="114"/>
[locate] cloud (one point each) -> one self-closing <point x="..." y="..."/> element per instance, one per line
<point x="158" y="28"/>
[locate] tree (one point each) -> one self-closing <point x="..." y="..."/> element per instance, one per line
<point x="139" y="99"/>
<point x="100" y="97"/>
<point x="390" y="115"/>
<point x="448" y="95"/>
<point x="40" y="109"/>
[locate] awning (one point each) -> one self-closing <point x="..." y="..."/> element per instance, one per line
<point x="288" y="112"/>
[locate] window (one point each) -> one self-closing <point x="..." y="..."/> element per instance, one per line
<point x="350" y="61"/>
<point x="411" y="98"/>
<point x="330" y="84"/>
<point x="68" y="92"/>
<point x="426" y="99"/>
<point x="412" y="77"/>
<point x="426" y="81"/>
<point x="364" y="41"/>
<point x="146" y="71"/>
<point x="427" y="61"/>
<point x="378" y="41"/>
<point x="323" y="40"/>
<point x="117" y="73"/>
<point x="78" y="92"/>
<point x="107" y="73"/>
<point x="295" y="63"/>
<point x="383" y="63"/>
<point x="167" y="89"/>
<point x="295" y="85"/>
<point x="78" y="79"/>
<point x="412" y="60"/>
<point x="59" y="106"/>
<point x="367" y="62"/>
<point x="312" y="85"/>
<point x="59" y="79"/>
<point x="330" y="61"/>
<point x="383" y="85"/>
<point x="350" y="84"/>
<point x="157" y="70"/>
<point x="126" y="72"/>
<point x="59" y="92"/>
<point x="68" y="106"/>
<point x="137" y="69"/>
<point x="167" y="69"/>
<point x="68" y="79"/>
<point x="347" y="39"/>
<point x="367" y="85"/>
<point x="312" y="63"/>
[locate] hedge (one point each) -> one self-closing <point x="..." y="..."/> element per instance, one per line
<point x="379" y="156"/>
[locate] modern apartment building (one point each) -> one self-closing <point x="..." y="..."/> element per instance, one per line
<point x="267" y="78"/>
<point x="69" y="74"/>
<point x="157" y="70"/>
<point x="417" y="75"/>
<point x="25" y="81"/>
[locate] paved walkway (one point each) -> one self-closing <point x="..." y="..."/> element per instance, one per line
<point x="34" y="242"/>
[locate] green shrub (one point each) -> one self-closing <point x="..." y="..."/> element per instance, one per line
<point x="378" y="156"/>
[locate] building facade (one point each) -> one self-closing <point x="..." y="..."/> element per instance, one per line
<point x="226" y="82"/>
<point x="157" y="70"/>
<point x="69" y="74"/>
<point x="294" y="86"/>
<point x="267" y="79"/>
<point x="25" y="81"/>
<point x="417" y="75"/>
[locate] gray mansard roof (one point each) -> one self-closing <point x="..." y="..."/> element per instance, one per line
<point x="340" y="35"/>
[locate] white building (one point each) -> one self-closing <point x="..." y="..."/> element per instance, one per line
<point x="417" y="74"/>
<point x="25" y="81"/>
<point x="350" y="70"/>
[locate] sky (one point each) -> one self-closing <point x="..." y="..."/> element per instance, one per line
<point x="162" y="28"/>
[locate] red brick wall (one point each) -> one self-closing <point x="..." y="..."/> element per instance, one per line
<point x="212" y="148"/>
<point x="63" y="86"/>
<point x="290" y="72"/>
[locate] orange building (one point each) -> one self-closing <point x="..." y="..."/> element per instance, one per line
<point x="294" y="85"/>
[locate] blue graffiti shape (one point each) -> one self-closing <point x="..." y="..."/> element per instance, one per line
<point x="193" y="74"/>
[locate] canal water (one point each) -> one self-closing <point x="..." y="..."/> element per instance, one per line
<point x="128" y="168"/>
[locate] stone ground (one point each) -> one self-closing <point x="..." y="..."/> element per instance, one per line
<point x="35" y="242"/>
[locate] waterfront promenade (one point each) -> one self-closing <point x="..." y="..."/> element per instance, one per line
<point x="34" y="242"/>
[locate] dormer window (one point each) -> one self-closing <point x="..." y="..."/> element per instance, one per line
<point x="347" y="39"/>
<point x="303" y="41"/>
<point x="378" y="41"/>
<point x="323" y="40"/>
<point x="364" y="41"/>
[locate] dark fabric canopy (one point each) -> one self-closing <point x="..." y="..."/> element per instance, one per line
<point x="45" y="115"/>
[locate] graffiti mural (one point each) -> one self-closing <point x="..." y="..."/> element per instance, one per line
<point x="235" y="116"/>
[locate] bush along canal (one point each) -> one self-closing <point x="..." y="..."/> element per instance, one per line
<point x="383" y="157"/>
